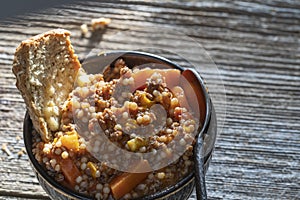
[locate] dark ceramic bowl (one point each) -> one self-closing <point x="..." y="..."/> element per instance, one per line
<point x="183" y="188"/>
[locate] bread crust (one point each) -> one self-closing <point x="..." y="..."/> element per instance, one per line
<point x="34" y="66"/>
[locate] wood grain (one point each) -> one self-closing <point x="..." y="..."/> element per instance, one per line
<point x="256" y="46"/>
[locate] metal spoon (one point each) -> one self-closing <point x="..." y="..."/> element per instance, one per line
<point x="193" y="77"/>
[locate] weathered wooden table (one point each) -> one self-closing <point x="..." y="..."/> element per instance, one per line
<point x="256" y="46"/>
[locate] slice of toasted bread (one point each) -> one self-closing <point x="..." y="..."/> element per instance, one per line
<point x="46" y="67"/>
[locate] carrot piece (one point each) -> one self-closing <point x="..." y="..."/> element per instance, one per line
<point x="172" y="76"/>
<point x="126" y="182"/>
<point x="193" y="92"/>
<point x="70" y="170"/>
<point x="141" y="76"/>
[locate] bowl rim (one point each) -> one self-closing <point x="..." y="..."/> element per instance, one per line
<point x="27" y="129"/>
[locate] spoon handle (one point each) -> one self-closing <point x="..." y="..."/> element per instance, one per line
<point x="200" y="174"/>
